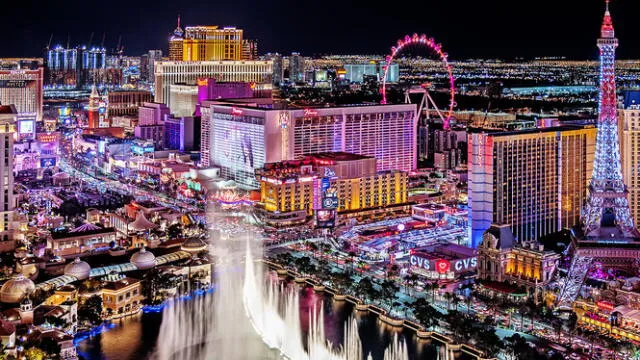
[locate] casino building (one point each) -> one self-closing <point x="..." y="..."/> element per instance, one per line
<point x="325" y="183"/>
<point x="169" y="73"/>
<point x="242" y="135"/>
<point x="23" y="88"/>
<point x="503" y="264"/>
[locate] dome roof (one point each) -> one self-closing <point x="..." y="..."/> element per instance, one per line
<point x="193" y="245"/>
<point x="78" y="268"/>
<point x="143" y="259"/>
<point x="16" y="288"/>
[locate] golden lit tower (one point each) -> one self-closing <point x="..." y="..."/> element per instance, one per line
<point x="210" y="43"/>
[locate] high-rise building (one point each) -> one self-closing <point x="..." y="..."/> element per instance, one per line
<point x="608" y="235"/>
<point x="168" y="73"/>
<point x="241" y="136"/>
<point x="629" y="125"/>
<point x="210" y="43"/>
<point x="175" y="43"/>
<point x="533" y="180"/>
<point x="278" y="69"/>
<point x="296" y="67"/>
<point x="154" y="55"/>
<point x="8" y="114"/>
<point x="249" y="49"/>
<point x="22" y="88"/>
<point x="75" y="67"/>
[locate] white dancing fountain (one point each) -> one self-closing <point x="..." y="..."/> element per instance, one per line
<point x="241" y="319"/>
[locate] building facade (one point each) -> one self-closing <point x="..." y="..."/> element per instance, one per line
<point x="75" y="67"/>
<point x="154" y="133"/>
<point x="126" y="102"/>
<point x="7" y="198"/>
<point x="211" y="43"/>
<point x="175" y="43"/>
<point x="534" y="180"/>
<point x="296" y="67"/>
<point x="153" y="56"/>
<point x="278" y="69"/>
<point x="500" y="259"/>
<point x="182" y="133"/>
<point x="241" y="138"/>
<point x="121" y="295"/>
<point x="249" y="49"/>
<point x="352" y="180"/>
<point x="152" y="114"/>
<point x="629" y="125"/>
<point x="23" y="88"/>
<point x="173" y="72"/>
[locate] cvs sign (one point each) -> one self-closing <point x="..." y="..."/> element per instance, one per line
<point x="465" y="264"/>
<point x="418" y="261"/>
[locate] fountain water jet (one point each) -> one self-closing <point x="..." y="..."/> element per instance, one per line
<point x="244" y="319"/>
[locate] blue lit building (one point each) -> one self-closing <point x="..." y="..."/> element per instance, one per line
<point x="182" y="133"/>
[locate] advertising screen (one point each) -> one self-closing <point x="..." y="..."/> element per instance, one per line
<point x="325" y="218"/>
<point x="26" y="127"/>
<point x="45" y="163"/>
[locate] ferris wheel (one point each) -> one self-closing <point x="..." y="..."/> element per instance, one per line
<point x="431" y="45"/>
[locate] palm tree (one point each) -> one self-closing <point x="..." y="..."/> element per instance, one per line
<point x="432" y="286"/>
<point x="388" y="291"/>
<point x="523" y="310"/>
<point x="447" y="297"/>
<point x="411" y="280"/>
<point x="455" y="300"/>
<point x="426" y="314"/>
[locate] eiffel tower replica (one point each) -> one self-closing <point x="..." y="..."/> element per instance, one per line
<point x="608" y="235"/>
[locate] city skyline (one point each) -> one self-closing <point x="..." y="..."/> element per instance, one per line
<point x="539" y="28"/>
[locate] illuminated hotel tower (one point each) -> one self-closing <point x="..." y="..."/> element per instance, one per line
<point x="608" y="234"/>
<point x="175" y="43"/>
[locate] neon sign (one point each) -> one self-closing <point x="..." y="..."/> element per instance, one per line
<point x="605" y="305"/>
<point x="443" y="266"/>
<point x="309" y="112"/>
<point x="465" y="264"/>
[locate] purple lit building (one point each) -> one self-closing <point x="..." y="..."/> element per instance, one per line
<point x="186" y="99"/>
<point x="210" y="89"/>
<point x="152" y="114"/>
<point x="151" y="117"/>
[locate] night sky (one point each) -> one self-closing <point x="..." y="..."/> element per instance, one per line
<point x="466" y="28"/>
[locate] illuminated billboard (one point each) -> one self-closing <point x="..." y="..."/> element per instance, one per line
<point x="49" y="162"/>
<point x="26" y="128"/>
<point x="326" y="218"/>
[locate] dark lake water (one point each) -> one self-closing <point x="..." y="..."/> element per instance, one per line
<point x="136" y="337"/>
